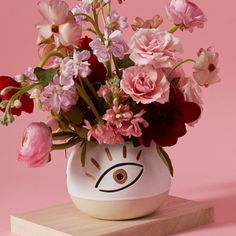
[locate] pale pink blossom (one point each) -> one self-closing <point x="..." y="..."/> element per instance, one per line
<point x="186" y="14"/>
<point x="116" y="21"/>
<point x="153" y="46"/>
<point x="83" y="7"/>
<point x="58" y="22"/>
<point x="145" y="84"/>
<point x="104" y="91"/>
<point x="100" y="50"/>
<point x="103" y="133"/>
<point x="36" y="145"/>
<point x="153" y="23"/>
<point x="206" y="67"/>
<point x="58" y="96"/>
<point x="118" y="45"/>
<point x="191" y="90"/>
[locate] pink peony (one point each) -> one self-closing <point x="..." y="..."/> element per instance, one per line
<point x="186" y="14"/>
<point x="153" y="46"/>
<point x="60" y="22"/>
<point x="36" y="145"/>
<point x="206" y="70"/>
<point x="104" y="134"/>
<point x="145" y="84"/>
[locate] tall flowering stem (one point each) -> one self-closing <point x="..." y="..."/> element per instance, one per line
<point x="48" y="56"/>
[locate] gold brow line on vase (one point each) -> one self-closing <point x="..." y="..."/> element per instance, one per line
<point x="139" y="155"/>
<point x="108" y="154"/>
<point x="90" y="176"/>
<point x="124" y="151"/>
<point x="95" y="163"/>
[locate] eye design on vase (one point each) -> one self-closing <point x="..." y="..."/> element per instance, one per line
<point x="122" y="175"/>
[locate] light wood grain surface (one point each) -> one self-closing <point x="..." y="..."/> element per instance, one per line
<point x="174" y="216"/>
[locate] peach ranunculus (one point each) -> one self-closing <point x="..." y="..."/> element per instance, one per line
<point x="154" y="46"/>
<point x="145" y="84"/>
<point x="186" y="14"/>
<point x="58" y="22"/>
<point x="206" y="70"/>
<point x="36" y="145"/>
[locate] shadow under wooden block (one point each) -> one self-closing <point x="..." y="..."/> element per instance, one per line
<point x="176" y="215"/>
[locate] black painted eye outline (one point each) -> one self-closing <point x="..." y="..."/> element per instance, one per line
<point x="115" y="166"/>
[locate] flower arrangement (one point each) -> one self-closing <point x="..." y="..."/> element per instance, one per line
<point x="98" y="87"/>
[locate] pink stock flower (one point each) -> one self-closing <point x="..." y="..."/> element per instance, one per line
<point x="59" y="22"/>
<point x="186" y="14"/>
<point x="118" y="46"/>
<point x="116" y="22"/>
<point x="206" y="70"/>
<point x="36" y="145"/>
<point x="104" y="134"/>
<point x="59" y="96"/>
<point x="153" y="46"/>
<point x="104" y="91"/>
<point x="145" y="84"/>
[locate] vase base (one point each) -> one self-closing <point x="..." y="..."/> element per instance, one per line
<point x="120" y="209"/>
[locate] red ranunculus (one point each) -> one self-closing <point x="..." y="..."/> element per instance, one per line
<point x="167" y="122"/>
<point x="27" y="102"/>
<point x="99" y="71"/>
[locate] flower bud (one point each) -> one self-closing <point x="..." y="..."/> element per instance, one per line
<point x="20" y="78"/>
<point x="17" y="103"/>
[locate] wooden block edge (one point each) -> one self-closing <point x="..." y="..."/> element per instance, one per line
<point x="23" y="227"/>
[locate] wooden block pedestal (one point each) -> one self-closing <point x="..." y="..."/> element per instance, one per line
<point x="176" y="215"/>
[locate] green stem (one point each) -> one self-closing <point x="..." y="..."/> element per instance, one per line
<point x="48" y="56"/>
<point x="178" y="65"/>
<point x="173" y="29"/>
<point x="91" y="88"/>
<point x="109" y="9"/>
<point x="18" y="94"/>
<point x="66" y="145"/>
<point x="118" y="72"/>
<point x="88" y="101"/>
<point x="63" y="135"/>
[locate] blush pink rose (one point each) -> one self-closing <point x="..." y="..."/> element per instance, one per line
<point x="36" y="145"/>
<point x="186" y="14"/>
<point x="153" y="46"/>
<point x="145" y="84"/>
<point x="206" y="67"/>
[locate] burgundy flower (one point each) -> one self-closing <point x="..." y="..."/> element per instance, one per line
<point x="167" y="122"/>
<point x="99" y="72"/>
<point x="26" y="101"/>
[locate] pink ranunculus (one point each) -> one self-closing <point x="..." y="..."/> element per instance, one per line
<point x="58" y="22"/>
<point x="36" y="145"/>
<point x="145" y="84"/>
<point x="153" y="46"/>
<point x="186" y="14"/>
<point x="206" y="67"/>
<point x="103" y="133"/>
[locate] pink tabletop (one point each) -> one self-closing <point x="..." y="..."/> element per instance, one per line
<point x="204" y="160"/>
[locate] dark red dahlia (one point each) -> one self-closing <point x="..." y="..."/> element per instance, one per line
<point x="167" y="122"/>
<point x="27" y="102"/>
<point x="99" y="71"/>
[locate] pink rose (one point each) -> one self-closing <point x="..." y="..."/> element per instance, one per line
<point x="153" y="46"/>
<point x="36" y="145"/>
<point x="186" y="14"/>
<point x="206" y="67"/>
<point x="145" y="84"/>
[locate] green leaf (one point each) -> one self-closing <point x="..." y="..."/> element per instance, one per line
<point x="83" y="153"/>
<point x="75" y="115"/>
<point x="44" y="76"/>
<point x="166" y="159"/>
<point x="125" y="62"/>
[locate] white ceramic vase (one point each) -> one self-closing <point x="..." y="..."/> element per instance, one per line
<point x="117" y="182"/>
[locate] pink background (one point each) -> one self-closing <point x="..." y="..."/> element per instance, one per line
<point x="204" y="160"/>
